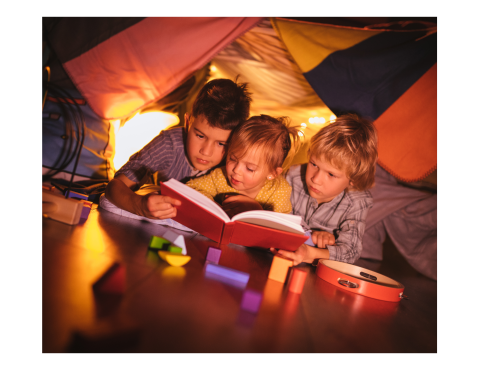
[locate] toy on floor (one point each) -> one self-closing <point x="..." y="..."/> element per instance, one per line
<point x="251" y="301"/>
<point x="297" y="280"/>
<point x="159" y="243"/>
<point x="213" y="255"/>
<point x="87" y="206"/>
<point x="79" y="196"/>
<point x="177" y="240"/>
<point x="175" y="259"/>
<point x="279" y="268"/>
<point x="227" y="275"/>
<point x="113" y="281"/>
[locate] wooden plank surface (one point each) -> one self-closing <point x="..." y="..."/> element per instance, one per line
<point x="177" y="309"/>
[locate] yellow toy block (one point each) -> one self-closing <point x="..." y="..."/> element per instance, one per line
<point x="177" y="260"/>
<point x="279" y="268"/>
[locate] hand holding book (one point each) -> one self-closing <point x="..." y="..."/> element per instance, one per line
<point x="236" y="204"/>
<point x="255" y="228"/>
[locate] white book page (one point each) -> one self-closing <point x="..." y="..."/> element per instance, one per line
<point x="198" y="198"/>
<point x="271" y="219"/>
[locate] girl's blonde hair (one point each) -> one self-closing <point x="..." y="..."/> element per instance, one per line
<point x="274" y="136"/>
<point x="350" y="144"/>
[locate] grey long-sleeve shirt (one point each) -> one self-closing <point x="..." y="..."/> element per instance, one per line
<point x="344" y="216"/>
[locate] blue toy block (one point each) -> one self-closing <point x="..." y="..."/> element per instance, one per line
<point x="72" y="194"/>
<point x="213" y="255"/>
<point x="226" y="275"/>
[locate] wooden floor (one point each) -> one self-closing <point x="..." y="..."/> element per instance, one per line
<point x="177" y="309"/>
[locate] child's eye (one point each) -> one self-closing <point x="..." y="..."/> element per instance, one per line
<point x="200" y="136"/>
<point x="222" y="144"/>
<point x="251" y="170"/>
<point x="333" y="176"/>
<point x="311" y="163"/>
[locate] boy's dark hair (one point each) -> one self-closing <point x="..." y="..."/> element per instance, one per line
<point x="223" y="102"/>
<point x="350" y="144"/>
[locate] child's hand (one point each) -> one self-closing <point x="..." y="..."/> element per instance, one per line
<point x="322" y="238"/>
<point x="237" y="204"/>
<point x="298" y="256"/>
<point x="156" y="206"/>
<point x="304" y="254"/>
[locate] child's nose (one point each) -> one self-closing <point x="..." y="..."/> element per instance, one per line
<point x="317" y="178"/>
<point x="207" y="149"/>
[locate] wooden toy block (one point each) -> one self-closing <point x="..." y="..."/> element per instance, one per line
<point x="175" y="249"/>
<point x="177" y="240"/>
<point x="158" y="243"/>
<point x="57" y="207"/>
<point x="113" y="281"/>
<point x="251" y="301"/>
<point x="227" y="275"/>
<point x="177" y="260"/>
<point x="297" y="281"/>
<point x="213" y="255"/>
<point x="279" y="268"/>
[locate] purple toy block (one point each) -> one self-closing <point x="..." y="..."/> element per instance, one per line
<point x="251" y="301"/>
<point x="85" y="212"/>
<point x="226" y="275"/>
<point x="213" y="255"/>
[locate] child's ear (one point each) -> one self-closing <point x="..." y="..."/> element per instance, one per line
<point x="186" y="122"/>
<point x="275" y="173"/>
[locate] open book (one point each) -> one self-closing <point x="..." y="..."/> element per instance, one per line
<point x="257" y="228"/>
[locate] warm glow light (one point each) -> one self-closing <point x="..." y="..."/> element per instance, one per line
<point x="138" y="131"/>
<point x="332" y="117"/>
<point x="300" y="133"/>
<point x="321" y="120"/>
<point x="94" y="239"/>
<point x="303" y="125"/>
<point x="213" y="68"/>
<point x="311" y="120"/>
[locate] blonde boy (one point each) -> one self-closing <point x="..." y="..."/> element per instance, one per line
<point x="330" y="191"/>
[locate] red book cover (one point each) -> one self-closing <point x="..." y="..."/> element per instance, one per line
<point x="206" y="222"/>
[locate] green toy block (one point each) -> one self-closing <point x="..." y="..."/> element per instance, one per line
<point x="159" y="243"/>
<point x="175" y="249"/>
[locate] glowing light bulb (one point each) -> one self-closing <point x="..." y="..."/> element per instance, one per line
<point x="213" y="68"/>
<point x="333" y="117"/>
<point x="311" y="120"/>
<point x="303" y="125"/>
<point x="300" y="133"/>
<point x="322" y="120"/>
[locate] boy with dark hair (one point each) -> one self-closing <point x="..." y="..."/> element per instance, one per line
<point x="182" y="153"/>
<point x="330" y="191"/>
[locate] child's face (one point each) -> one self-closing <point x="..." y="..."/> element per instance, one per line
<point x="248" y="174"/>
<point x="205" y="143"/>
<point x="324" y="181"/>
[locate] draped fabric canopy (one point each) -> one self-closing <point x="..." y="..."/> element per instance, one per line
<point x="140" y="61"/>
<point x="294" y="68"/>
<point x="383" y="73"/>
